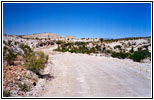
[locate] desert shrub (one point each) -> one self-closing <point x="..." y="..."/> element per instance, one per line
<point x="118" y="46"/>
<point x="120" y="55"/>
<point x="43" y="57"/>
<point x="140" y="55"/>
<point x="146" y="53"/>
<point x="15" y="43"/>
<point x="34" y="61"/>
<point x="37" y="62"/>
<point x="131" y="50"/>
<point x="59" y="42"/>
<point x="24" y="87"/>
<point x="64" y="49"/>
<point x="101" y="40"/>
<point x="10" y="57"/>
<point x="98" y="48"/>
<point x="28" y="52"/>
<point x="6" y="93"/>
<point x="57" y="49"/>
<point x="5" y="50"/>
<point x="4" y="42"/>
<point x="92" y="50"/>
<point x="80" y="43"/>
<point x="108" y="51"/>
<point x="9" y="42"/>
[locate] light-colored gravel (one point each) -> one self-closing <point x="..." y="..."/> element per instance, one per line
<point x="82" y="75"/>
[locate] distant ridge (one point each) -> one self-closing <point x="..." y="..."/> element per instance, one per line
<point x="48" y="35"/>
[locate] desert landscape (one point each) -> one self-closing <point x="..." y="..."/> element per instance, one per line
<point x="76" y="67"/>
<point x="74" y="49"/>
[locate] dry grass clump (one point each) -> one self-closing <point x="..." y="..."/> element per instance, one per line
<point x="34" y="61"/>
<point x="9" y="55"/>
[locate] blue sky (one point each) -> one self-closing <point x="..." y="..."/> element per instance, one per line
<point x="94" y="20"/>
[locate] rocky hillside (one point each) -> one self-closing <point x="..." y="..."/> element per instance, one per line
<point x="22" y="66"/>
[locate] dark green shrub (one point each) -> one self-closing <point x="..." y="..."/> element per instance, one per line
<point x="140" y="55"/>
<point x="120" y="55"/>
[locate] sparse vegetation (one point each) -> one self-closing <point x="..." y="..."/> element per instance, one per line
<point x="120" y="39"/>
<point x="24" y="87"/>
<point x="81" y="47"/>
<point x="6" y="93"/>
<point x="9" y="56"/>
<point x="28" y="52"/>
<point x="34" y="61"/>
<point x="77" y="47"/>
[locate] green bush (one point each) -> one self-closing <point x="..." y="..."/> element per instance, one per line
<point x="120" y="55"/>
<point x="140" y="55"/>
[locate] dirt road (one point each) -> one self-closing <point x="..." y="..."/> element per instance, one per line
<point x="81" y="75"/>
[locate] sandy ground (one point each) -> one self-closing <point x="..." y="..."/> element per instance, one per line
<point x="81" y="75"/>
